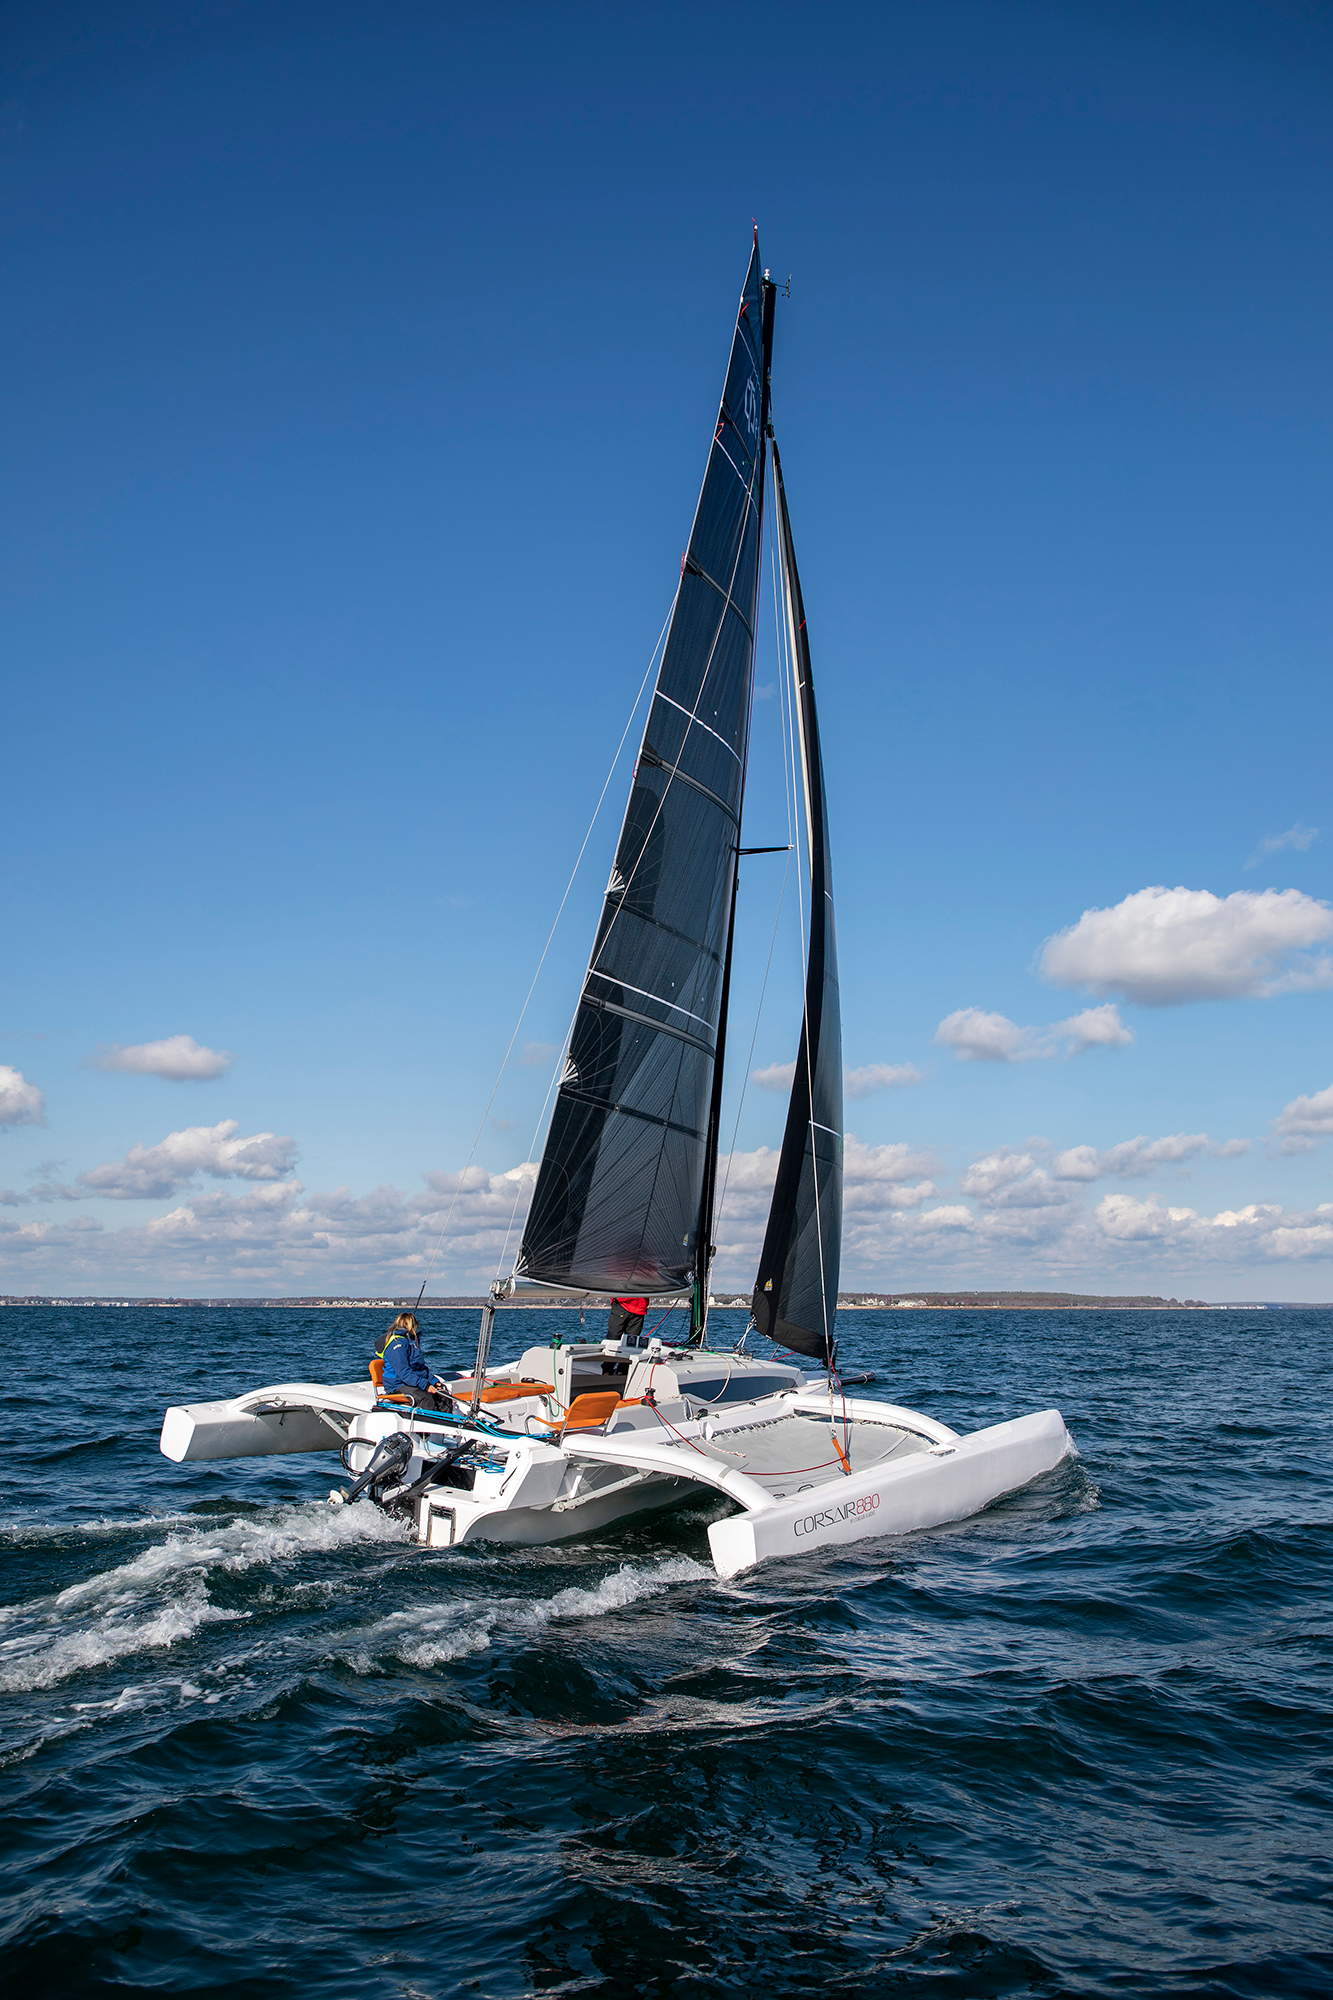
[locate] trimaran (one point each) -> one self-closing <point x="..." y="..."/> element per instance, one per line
<point x="577" y="1434"/>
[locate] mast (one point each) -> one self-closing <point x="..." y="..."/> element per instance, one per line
<point x="796" y="1289"/>
<point x="706" y="1248"/>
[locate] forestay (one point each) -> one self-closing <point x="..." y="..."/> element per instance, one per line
<point x="618" y="1195"/>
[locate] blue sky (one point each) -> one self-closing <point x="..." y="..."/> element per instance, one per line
<point x="363" y="361"/>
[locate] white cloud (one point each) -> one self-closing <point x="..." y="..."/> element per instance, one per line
<point x="21" y="1102"/>
<point x="856" y="1082"/>
<point x="878" y="1181"/>
<point x="178" y="1058"/>
<point x="1012" y="1222"/>
<point x="892" y="1164"/>
<point x="276" y="1238"/>
<point x="878" y="1076"/>
<point x="1095" y="1028"/>
<point x="152" y="1172"/>
<point x="1012" y="1179"/>
<point x="1129" y="1220"/>
<point x="975" y="1036"/>
<point x="1298" y="836"/>
<point x="1301" y="1124"/>
<point x="1135" y="1157"/>
<point x="1163" y="947"/>
<point x="537" y="1054"/>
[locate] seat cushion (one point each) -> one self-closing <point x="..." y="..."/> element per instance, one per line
<point x="589" y="1411"/>
<point x="503" y="1392"/>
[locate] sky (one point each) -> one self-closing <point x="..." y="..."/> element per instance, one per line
<point x="363" y="361"/>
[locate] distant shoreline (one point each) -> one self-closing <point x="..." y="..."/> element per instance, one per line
<point x="847" y="1302"/>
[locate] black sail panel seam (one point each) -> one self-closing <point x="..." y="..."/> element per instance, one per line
<point x="618" y="898"/>
<point x="693" y="568"/>
<point x="646" y="1020"/>
<point x="608" y="1104"/>
<point x="656" y="763"/>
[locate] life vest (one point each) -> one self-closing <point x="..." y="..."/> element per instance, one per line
<point x="382" y="1351"/>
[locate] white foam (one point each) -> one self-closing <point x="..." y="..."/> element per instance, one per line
<point x="431" y="1635"/>
<point x="33" y="1534"/>
<point x="160" y="1597"/>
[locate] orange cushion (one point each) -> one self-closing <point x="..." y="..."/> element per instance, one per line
<point x="509" y="1392"/>
<point x="504" y="1392"/>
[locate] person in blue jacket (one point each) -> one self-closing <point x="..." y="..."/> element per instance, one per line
<point x="405" y="1370"/>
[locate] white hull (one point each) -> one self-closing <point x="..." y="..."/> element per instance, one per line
<point x="535" y="1527"/>
<point x="804" y="1473"/>
<point x="291" y="1416"/>
<point x="947" y="1484"/>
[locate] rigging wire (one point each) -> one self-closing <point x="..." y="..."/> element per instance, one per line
<point x="629" y="723"/>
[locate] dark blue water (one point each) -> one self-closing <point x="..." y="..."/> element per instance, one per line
<point x="1080" y="1745"/>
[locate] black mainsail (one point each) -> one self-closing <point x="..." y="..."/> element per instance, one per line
<point x="623" y="1196"/>
<point x="796" y="1290"/>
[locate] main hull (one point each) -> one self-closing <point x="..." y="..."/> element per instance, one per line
<point x="549" y="1458"/>
<point x="536" y="1527"/>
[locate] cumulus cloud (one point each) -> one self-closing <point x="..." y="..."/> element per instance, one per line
<point x="153" y="1172"/>
<point x="1011" y="1221"/>
<point x="1262" y="1226"/>
<point x="21" y="1102"/>
<point x="1300" y="1125"/>
<point x="1298" y="836"/>
<point x="1163" y="947"/>
<point x="178" y="1058"/>
<point x="1009" y="1178"/>
<point x="976" y="1036"/>
<point x="536" y="1055"/>
<point x="1135" y="1157"/>
<point x="856" y="1082"/>
<point x="275" y="1237"/>
<point x="878" y="1181"/>
<point x="878" y="1076"/>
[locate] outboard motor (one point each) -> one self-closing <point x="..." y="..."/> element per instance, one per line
<point x="388" y="1461"/>
<point x="443" y="1471"/>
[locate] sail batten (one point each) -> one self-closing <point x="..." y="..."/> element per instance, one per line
<point x="796" y="1289"/>
<point x="621" y="1184"/>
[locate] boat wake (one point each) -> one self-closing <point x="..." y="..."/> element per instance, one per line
<point x="432" y="1635"/>
<point x="161" y="1596"/>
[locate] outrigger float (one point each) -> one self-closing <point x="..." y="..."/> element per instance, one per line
<point x="577" y="1435"/>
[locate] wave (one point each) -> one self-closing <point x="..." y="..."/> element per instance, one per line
<point x="36" y="1534"/>
<point x="432" y="1635"/>
<point x="160" y="1597"/>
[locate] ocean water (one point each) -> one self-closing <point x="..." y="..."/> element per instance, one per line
<point x="1079" y="1745"/>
